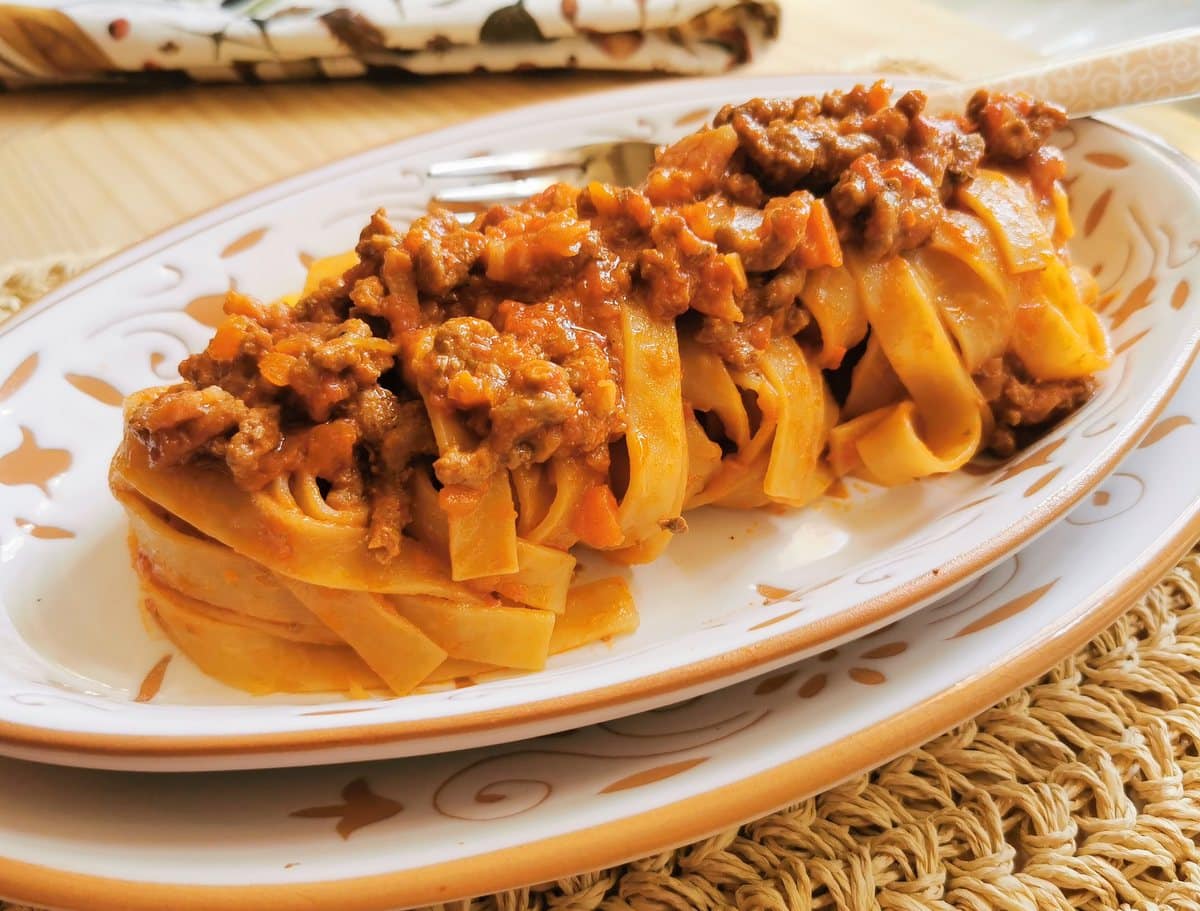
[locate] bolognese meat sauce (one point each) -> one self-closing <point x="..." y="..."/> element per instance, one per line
<point x="512" y="322"/>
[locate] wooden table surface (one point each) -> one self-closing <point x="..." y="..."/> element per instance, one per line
<point x="84" y="171"/>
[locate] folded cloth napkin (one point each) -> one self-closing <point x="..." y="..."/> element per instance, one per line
<point x="49" y="41"/>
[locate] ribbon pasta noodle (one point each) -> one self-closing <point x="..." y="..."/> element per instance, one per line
<point x="378" y="483"/>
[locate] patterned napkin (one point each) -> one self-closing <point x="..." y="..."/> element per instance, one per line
<point x="55" y="41"/>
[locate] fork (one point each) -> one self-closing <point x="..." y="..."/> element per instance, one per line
<point x="1161" y="68"/>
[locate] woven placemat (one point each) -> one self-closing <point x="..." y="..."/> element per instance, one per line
<point x="1081" y="791"/>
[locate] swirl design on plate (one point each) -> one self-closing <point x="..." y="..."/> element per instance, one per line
<point x="987" y="585"/>
<point x="623" y="727"/>
<point x="1115" y="497"/>
<point x="499" y="786"/>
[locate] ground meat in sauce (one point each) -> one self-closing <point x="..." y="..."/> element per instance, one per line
<point x="395" y="434"/>
<point x="1013" y="127"/>
<point x="443" y="251"/>
<point x="892" y="206"/>
<point x="511" y="324"/>
<point x="1022" y="408"/>
<point x="529" y="394"/>
<point x="887" y="167"/>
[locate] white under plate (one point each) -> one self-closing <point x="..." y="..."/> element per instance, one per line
<point x="75" y="653"/>
<point x="420" y="830"/>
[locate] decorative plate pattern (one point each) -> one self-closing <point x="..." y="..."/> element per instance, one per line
<point x="740" y="594"/>
<point x="435" y="828"/>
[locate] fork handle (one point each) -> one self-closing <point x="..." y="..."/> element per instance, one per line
<point x="1164" y="67"/>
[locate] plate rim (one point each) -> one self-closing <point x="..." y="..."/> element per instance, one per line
<point x="75" y="747"/>
<point x="663" y="828"/>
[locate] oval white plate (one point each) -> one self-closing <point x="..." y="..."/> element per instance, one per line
<point x="75" y="653"/>
<point x="434" y="828"/>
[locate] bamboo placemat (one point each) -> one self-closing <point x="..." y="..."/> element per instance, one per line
<point x="1081" y="791"/>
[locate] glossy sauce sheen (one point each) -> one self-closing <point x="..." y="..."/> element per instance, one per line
<point x="511" y="326"/>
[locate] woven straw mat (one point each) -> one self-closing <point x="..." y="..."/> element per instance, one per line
<point x="1081" y="791"/>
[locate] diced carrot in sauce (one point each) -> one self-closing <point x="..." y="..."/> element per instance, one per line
<point x="276" y="368"/>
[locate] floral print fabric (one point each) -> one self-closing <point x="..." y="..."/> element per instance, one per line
<point x="256" y="40"/>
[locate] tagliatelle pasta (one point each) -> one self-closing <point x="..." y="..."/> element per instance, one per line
<point x="378" y="483"/>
